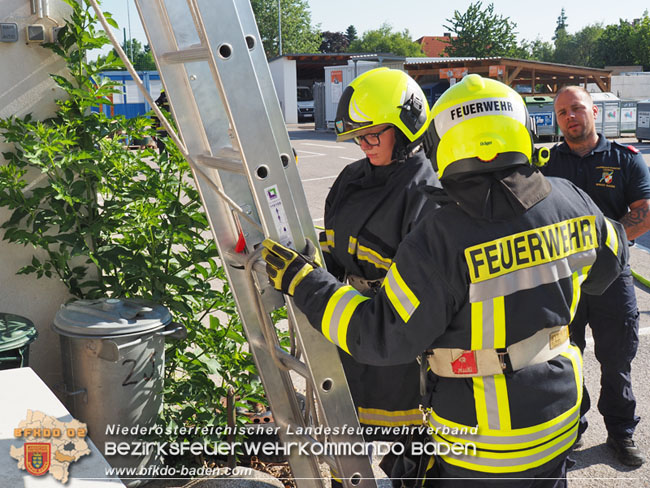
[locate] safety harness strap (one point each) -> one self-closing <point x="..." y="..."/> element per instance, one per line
<point x="542" y="346"/>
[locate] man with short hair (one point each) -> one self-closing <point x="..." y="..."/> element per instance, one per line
<point x="617" y="179"/>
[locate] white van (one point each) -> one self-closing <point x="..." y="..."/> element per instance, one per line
<point x="305" y="104"/>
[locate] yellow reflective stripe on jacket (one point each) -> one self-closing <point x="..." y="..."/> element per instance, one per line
<point x="510" y="440"/>
<point x="399" y="294"/>
<point x="328" y="243"/>
<point x="577" y="278"/>
<point x="511" y="461"/>
<point x="488" y="324"/>
<point x="336" y="319"/>
<point x="390" y="418"/>
<point x="352" y="245"/>
<point x="366" y="254"/>
<point x="612" y="237"/>
<point x="528" y="278"/>
<point x="504" y="438"/>
<point x="491" y="402"/>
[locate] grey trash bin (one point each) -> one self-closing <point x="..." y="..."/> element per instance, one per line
<point x="113" y="355"/>
<point x="643" y="120"/>
<point x="541" y="109"/>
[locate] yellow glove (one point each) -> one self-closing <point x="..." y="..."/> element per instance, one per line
<point x="286" y="267"/>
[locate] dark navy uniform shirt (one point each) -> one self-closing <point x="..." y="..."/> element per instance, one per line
<point x="612" y="174"/>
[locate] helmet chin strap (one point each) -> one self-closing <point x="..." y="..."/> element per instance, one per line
<point x="402" y="150"/>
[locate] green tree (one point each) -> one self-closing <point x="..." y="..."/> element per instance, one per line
<point x="334" y="42"/>
<point x="384" y="40"/>
<point x="140" y="56"/>
<point x="480" y="32"/>
<point x="561" y="23"/>
<point x="564" y="47"/>
<point x="616" y="46"/>
<point x="298" y="36"/>
<point x="586" y="45"/>
<point x="351" y="33"/>
<point x="537" y="50"/>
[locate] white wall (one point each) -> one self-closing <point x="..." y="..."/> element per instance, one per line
<point x="283" y="72"/>
<point x="25" y="86"/>
<point x="632" y="86"/>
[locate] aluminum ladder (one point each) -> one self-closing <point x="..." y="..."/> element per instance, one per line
<point x="213" y="67"/>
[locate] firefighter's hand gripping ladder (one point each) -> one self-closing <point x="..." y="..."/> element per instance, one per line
<point x="213" y="68"/>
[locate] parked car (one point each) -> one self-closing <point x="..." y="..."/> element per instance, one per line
<point x="305" y="104"/>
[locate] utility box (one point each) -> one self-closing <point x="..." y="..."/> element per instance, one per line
<point x="608" y="121"/>
<point x="541" y="109"/>
<point x="643" y="120"/>
<point x="628" y="116"/>
<point x="337" y="78"/>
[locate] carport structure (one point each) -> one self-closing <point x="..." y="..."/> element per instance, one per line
<point x="541" y="77"/>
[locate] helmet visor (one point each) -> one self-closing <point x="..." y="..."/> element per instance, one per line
<point x="343" y="124"/>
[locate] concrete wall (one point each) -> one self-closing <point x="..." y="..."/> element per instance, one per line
<point x="283" y="72"/>
<point x="25" y="86"/>
<point x="633" y="86"/>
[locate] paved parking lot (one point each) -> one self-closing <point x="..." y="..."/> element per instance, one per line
<point x="320" y="159"/>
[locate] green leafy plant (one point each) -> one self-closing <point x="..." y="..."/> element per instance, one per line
<point x="112" y="222"/>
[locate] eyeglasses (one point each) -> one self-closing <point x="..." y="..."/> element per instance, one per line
<point x="371" y="139"/>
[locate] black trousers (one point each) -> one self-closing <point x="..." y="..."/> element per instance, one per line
<point x="614" y="321"/>
<point x="448" y="477"/>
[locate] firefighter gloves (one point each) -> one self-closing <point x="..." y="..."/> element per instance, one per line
<point x="287" y="268"/>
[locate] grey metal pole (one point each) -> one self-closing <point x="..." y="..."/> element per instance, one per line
<point x="128" y="16"/>
<point x="280" y="26"/>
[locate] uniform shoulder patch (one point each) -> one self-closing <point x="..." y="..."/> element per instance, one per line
<point x="633" y="149"/>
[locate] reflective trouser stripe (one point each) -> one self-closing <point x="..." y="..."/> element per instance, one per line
<point x="612" y="237"/>
<point x="399" y="294"/>
<point x="338" y="312"/>
<point x="390" y="418"/>
<point x="366" y="254"/>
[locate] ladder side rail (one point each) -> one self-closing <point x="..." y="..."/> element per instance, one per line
<point x="278" y="126"/>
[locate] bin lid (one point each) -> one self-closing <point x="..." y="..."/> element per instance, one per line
<point x="108" y="317"/>
<point x="538" y="99"/>
<point x="15" y="331"/>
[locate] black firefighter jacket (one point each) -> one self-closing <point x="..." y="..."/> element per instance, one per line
<point x="368" y="212"/>
<point x="462" y="280"/>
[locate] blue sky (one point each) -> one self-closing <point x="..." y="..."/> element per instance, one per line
<point x="426" y="17"/>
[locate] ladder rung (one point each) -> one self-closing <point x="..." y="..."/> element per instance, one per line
<point x="226" y="164"/>
<point x="187" y="55"/>
<point x="291" y="362"/>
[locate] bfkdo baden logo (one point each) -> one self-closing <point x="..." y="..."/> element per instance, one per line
<point x="37" y="457"/>
<point x="50" y="446"/>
